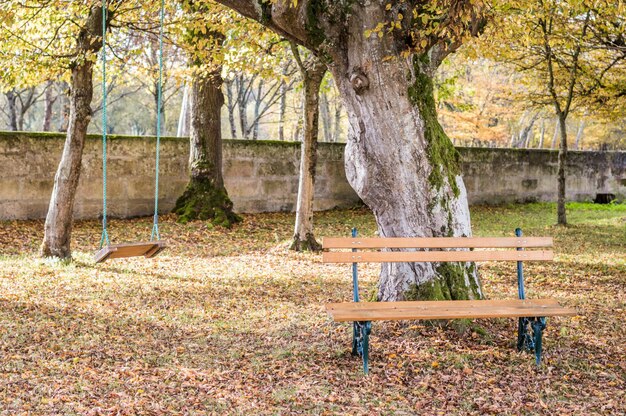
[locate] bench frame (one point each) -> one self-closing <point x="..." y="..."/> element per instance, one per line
<point x="529" y="330"/>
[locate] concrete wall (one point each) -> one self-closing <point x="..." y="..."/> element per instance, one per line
<point x="494" y="176"/>
<point x="262" y="176"/>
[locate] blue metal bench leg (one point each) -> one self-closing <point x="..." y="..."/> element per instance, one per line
<point x="360" y="341"/>
<point x="538" y="324"/>
<point x="528" y="342"/>
<point x="524" y="340"/>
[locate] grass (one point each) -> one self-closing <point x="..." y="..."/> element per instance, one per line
<point x="230" y="322"/>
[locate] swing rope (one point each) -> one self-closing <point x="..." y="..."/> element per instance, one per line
<point x="105" y="234"/>
<point x="155" y="223"/>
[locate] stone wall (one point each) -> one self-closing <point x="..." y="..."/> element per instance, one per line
<point x="263" y="175"/>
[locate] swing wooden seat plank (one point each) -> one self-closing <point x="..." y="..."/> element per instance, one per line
<point x="148" y="250"/>
<point x="530" y="313"/>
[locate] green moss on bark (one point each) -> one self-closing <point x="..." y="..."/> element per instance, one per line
<point x="204" y="201"/>
<point x="443" y="156"/>
<point x="308" y="243"/>
<point x="449" y="284"/>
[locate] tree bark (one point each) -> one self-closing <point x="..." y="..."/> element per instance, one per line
<point x="205" y="197"/>
<point x="312" y="75"/>
<point x="398" y="158"/>
<point x="59" y="220"/>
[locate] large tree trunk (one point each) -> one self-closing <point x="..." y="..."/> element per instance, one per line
<point x="404" y="167"/>
<point x="205" y="197"/>
<point x="58" y="226"/>
<point x="398" y="158"/>
<point x="560" y="204"/>
<point x="312" y="75"/>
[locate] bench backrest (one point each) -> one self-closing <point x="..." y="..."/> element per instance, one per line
<point x="518" y="243"/>
<point x="430" y="243"/>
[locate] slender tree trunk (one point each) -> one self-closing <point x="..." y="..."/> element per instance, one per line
<point x="542" y="134"/>
<point x="282" y="107"/>
<point x="12" y="104"/>
<point x="579" y="135"/>
<point x="337" y="124"/>
<point x="556" y="133"/>
<point x="325" y="114"/>
<point x="231" y="109"/>
<point x="58" y="225"/>
<point x="312" y="75"/>
<point x="64" y="113"/>
<point x="562" y="159"/>
<point x="183" y="129"/>
<point x="20" y="119"/>
<point x="257" y="109"/>
<point x="297" y="129"/>
<point x="50" y="99"/>
<point x="205" y="197"/>
<point x="242" y="102"/>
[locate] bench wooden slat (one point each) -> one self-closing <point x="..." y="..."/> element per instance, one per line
<point x="377" y="311"/>
<point x="437" y="242"/>
<point x="434" y="256"/>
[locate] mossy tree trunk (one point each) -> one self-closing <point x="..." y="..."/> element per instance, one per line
<point x="398" y="158"/>
<point x="312" y="70"/>
<point x="58" y="225"/>
<point x="205" y="197"/>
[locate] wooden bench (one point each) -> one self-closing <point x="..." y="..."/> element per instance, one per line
<point x="530" y="313"/>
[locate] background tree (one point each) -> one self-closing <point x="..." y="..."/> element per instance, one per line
<point x="561" y="46"/>
<point x="313" y="71"/>
<point x="205" y="197"/>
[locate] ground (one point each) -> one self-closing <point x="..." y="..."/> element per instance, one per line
<point x="231" y="321"/>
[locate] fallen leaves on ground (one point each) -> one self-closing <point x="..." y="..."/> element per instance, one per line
<point x="230" y="321"/>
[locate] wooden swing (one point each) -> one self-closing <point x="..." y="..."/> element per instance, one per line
<point x="151" y="248"/>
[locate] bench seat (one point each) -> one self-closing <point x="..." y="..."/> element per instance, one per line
<point x="451" y="309"/>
